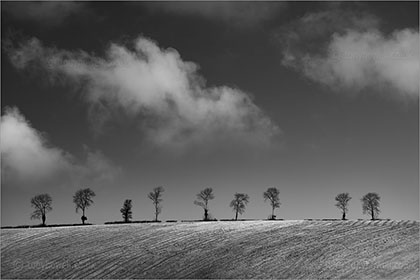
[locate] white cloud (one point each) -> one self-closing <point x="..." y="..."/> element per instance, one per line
<point x="47" y="13"/>
<point x="29" y="160"/>
<point x="360" y="60"/>
<point x="350" y="53"/>
<point x="240" y="14"/>
<point x="25" y="152"/>
<point x="175" y="106"/>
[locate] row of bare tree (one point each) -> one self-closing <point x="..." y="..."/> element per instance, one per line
<point x="83" y="198"/>
<point x="238" y="203"/>
<point x="370" y="204"/>
<point x="42" y="204"/>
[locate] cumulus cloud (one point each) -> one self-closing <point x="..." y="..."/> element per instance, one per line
<point x="155" y="85"/>
<point x="348" y="52"/>
<point x="240" y="14"/>
<point x="29" y="160"/>
<point x="369" y="59"/>
<point x="43" y="12"/>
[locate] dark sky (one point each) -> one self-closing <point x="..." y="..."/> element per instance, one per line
<point x="312" y="98"/>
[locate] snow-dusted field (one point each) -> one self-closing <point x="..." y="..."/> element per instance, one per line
<point x="250" y="249"/>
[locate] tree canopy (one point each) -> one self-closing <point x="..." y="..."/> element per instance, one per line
<point x="203" y="198"/>
<point x="156" y="197"/>
<point x="239" y="203"/>
<point x="126" y="212"/>
<point x="370" y="205"/>
<point x="342" y="201"/>
<point x="83" y="199"/>
<point x="272" y="194"/>
<point x="42" y="204"/>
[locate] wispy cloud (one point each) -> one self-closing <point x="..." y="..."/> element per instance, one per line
<point x="28" y="160"/>
<point x="45" y="13"/>
<point x="167" y="94"/>
<point x="239" y="14"/>
<point x="346" y="51"/>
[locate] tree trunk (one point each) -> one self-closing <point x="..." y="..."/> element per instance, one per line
<point x="344" y="215"/>
<point x="206" y="215"/>
<point x="43" y="219"/>
<point x="206" y="212"/>
<point x="272" y="213"/>
<point x="83" y="216"/>
<point x="236" y="216"/>
<point x="373" y="214"/>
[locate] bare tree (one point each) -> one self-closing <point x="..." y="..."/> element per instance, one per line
<point x="126" y="212"/>
<point x="342" y="201"/>
<point x="83" y="199"/>
<point x="203" y="199"/>
<point x="272" y="194"/>
<point x="42" y="204"/>
<point x="239" y="203"/>
<point x="156" y="197"/>
<point x="370" y="205"/>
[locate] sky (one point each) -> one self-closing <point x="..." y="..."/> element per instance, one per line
<point x="314" y="98"/>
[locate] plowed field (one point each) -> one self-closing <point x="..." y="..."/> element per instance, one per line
<point x="247" y="249"/>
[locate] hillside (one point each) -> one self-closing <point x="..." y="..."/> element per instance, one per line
<point x="249" y="249"/>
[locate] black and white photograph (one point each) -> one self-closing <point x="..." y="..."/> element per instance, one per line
<point x="210" y="140"/>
